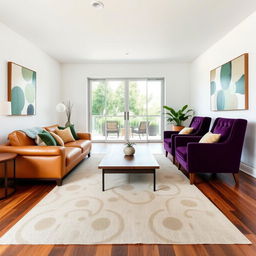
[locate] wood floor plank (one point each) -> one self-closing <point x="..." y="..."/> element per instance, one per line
<point x="58" y="250"/>
<point x="12" y="250"/>
<point x="150" y="250"/>
<point x="166" y="250"/>
<point x="105" y="250"/>
<point x="42" y="250"/>
<point x="119" y="250"/>
<point x="81" y="250"/>
<point x="181" y="250"/>
<point x="3" y="249"/>
<point x="135" y="250"/>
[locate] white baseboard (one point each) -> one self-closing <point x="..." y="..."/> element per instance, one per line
<point x="248" y="169"/>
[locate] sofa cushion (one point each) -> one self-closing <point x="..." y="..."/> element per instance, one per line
<point x="58" y="139"/>
<point x="210" y="138"/>
<point x="72" y="129"/>
<point x="65" y="134"/>
<point x="186" y="130"/>
<point x="19" y="138"/>
<point x="51" y="128"/>
<point x="84" y="145"/>
<point x="39" y="141"/>
<point x="182" y="152"/>
<point x="47" y="138"/>
<point x="72" y="154"/>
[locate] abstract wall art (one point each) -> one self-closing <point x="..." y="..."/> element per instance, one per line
<point x="21" y="90"/>
<point x="229" y="85"/>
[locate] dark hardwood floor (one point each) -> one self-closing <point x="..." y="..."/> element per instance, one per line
<point x="238" y="203"/>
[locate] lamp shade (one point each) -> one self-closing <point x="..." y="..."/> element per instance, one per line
<point x="5" y="108"/>
<point x="60" y="107"/>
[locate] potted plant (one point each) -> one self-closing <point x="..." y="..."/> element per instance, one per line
<point x="129" y="150"/>
<point x="177" y="117"/>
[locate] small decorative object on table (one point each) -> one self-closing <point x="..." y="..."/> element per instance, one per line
<point x="129" y="150"/>
<point x="177" y="117"/>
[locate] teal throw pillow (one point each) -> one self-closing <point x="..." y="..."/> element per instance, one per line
<point x="72" y="129"/>
<point x="47" y="138"/>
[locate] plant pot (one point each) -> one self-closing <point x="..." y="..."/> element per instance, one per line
<point x="129" y="151"/>
<point x="152" y="130"/>
<point x="68" y="123"/>
<point x="177" y="128"/>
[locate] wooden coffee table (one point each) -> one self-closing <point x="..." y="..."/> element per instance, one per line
<point x="142" y="162"/>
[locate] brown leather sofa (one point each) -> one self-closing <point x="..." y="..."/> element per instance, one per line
<point x="46" y="162"/>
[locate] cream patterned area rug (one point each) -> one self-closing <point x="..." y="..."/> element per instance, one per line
<point x="129" y="212"/>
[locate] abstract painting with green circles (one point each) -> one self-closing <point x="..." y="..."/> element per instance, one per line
<point x="21" y="89"/>
<point x="229" y="85"/>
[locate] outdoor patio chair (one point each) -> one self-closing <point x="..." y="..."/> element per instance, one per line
<point x="112" y="127"/>
<point x="142" y="129"/>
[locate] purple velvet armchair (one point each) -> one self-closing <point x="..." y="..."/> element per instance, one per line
<point x="221" y="157"/>
<point x="200" y="126"/>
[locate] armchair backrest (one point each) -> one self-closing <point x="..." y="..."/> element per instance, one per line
<point x="143" y="126"/>
<point x="231" y="130"/>
<point x="200" y="125"/>
<point x="112" y="125"/>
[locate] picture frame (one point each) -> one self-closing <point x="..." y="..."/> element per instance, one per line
<point x="229" y="85"/>
<point x="21" y="90"/>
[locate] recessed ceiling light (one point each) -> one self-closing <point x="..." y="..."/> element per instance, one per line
<point x="97" y="4"/>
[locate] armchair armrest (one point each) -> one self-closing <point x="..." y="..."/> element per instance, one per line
<point x="34" y="150"/>
<point x="84" y="136"/>
<point x="168" y="134"/>
<point x="182" y="140"/>
<point x="212" y="157"/>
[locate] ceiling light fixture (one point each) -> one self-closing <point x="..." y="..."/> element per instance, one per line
<point x="97" y="4"/>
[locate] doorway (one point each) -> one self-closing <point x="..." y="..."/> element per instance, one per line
<point x="126" y="109"/>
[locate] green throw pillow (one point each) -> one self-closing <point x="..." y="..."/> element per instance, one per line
<point x="47" y="138"/>
<point x="72" y="129"/>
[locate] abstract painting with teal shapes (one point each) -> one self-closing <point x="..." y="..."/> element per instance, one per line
<point x="229" y="85"/>
<point x="22" y="89"/>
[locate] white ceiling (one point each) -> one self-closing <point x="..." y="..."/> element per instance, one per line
<point x="73" y="31"/>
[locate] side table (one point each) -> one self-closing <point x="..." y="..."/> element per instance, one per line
<point x="7" y="189"/>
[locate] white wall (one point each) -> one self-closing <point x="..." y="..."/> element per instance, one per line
<point x="17" y="49"/>
<point x="74" y="83"/>
<point x="241" y="39"/>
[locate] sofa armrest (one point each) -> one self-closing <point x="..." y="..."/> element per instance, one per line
<point x="34" y="150"/>
<point x="182" y="140"/>
<point x="84" y="135"/>
<point x="212" y="157"/>
<point x="168" y="134"/>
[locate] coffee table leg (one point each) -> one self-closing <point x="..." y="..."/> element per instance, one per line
<point x="154" y="174"/>
<point x="103" y="180"/>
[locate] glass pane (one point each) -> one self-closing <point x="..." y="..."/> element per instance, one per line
<point x="98" y="97"/>
<point x="115" y="104"/>
<point x="137" y="98"/>
<point x="97" y="124"/>
<point x="154" y="97"/>
<point x="154" y="127"/>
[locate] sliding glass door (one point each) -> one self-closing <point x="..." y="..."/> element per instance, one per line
<point x="126" y="109"/>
